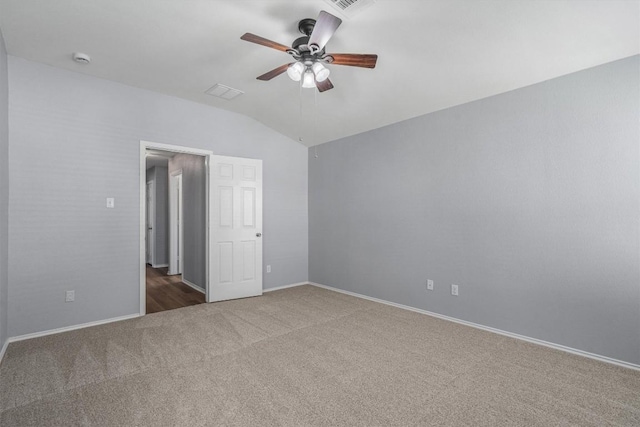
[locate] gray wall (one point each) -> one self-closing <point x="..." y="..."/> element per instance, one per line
<point x="528" y="201"/>
<point x="4" y="192"/>
<point x="63" y="237"/>
<point x="162" y="215"/>
<point x="160" y="177"/>
<point x="151" y="177"/>
<point x="194" y="175"/>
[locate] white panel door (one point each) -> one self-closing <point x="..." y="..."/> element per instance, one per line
<point x="236" y="228"/>
<point x="176" y="224"/>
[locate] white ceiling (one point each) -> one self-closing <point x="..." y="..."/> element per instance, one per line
<point x="432" y="54"/>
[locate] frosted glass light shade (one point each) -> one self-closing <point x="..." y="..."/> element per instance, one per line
<point x="295" y="71"/>
<point x="308" y="80"/>
<point x="321" y="72"/>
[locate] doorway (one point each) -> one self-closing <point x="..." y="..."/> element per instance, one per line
<point x="173" y="276"/>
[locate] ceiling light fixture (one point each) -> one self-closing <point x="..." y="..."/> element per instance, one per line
<point x="309" y="75"/>
<point x="308" y="81"/>
<point x="295" y="71"/>
<point x="320" y="71"/>
<point x="309" y="52"/>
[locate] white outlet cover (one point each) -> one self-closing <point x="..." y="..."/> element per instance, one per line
<point x="429" y="285"/>
<point x="454" y="290"/>
<point x="268" y="269"/>
<point x="111" y="202"/>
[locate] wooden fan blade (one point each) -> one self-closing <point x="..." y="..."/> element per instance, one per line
<point x="274" y="73"/>
<point x="324" y="85"/>
<point x="264" y="42"/>
<point x="354" y="60"/>
<point x="326" y="25"/>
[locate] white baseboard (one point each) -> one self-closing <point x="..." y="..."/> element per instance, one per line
<point x="159" y="265"/>
<point x="71" y="328"/>
<point x="490" y="329"/>
<point x="293" y="285"/>
<point x="3" y="350"/>
<point x="193" y="285"/>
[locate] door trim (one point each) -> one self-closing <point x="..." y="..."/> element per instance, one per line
<point x="175" y="223"/>
<point x="144" y="145"/>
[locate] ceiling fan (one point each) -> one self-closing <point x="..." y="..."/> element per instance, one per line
<point x="309" y="53"/>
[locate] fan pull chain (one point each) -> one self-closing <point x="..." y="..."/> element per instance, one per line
<point x="315" y="121"/>
<point x="301" y="114"/>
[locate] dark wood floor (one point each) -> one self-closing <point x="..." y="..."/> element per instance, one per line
<point x="168" y="292"/>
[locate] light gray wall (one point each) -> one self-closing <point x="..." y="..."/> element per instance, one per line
<point x="194" y="175"/>
<point x="162" y="215"/>
<point x="75" y="140"/>
<point x="529" y="201"/>
<point x="4" y="192"/>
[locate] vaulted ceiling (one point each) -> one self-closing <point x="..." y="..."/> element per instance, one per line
<point x="432" y="54"/>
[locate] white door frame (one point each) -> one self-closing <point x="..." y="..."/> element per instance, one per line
<point x="144" y="145"/>
<point x="176" y="225"/>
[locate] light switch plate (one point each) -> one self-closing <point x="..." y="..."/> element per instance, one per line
<point x="111" y="202"/>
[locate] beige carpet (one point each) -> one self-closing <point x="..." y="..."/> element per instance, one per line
<point x="304" y="356"/>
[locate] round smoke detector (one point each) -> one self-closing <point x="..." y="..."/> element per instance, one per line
<point x="81" y="58"/>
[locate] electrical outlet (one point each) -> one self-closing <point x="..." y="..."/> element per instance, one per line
<point x="111" y="202"/>
<point x="69" y="296"/>
<point x="268" y="269"/>
<point x="454" y="290"/>
<point x="429" y="284"/>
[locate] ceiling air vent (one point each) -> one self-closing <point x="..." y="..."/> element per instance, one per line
<point x="224" y="92"/>
<point x="350" y="8"/>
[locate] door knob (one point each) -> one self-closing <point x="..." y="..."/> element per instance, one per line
<point x="258" y="234"/>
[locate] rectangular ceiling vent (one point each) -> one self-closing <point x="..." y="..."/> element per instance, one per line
<point x="224" y="92"/>
<point x="350" y="8"/>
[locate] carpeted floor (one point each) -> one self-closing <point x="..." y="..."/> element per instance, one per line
<point x="305" y="356"/>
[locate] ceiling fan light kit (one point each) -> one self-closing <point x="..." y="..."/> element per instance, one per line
<point x="309" y="53"/>
<point x="320" y="71"/>
<point x="295" y="71"/>
<point x="308" y="81"/>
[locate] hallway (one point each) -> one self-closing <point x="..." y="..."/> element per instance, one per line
<point x="168" y="292"/>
